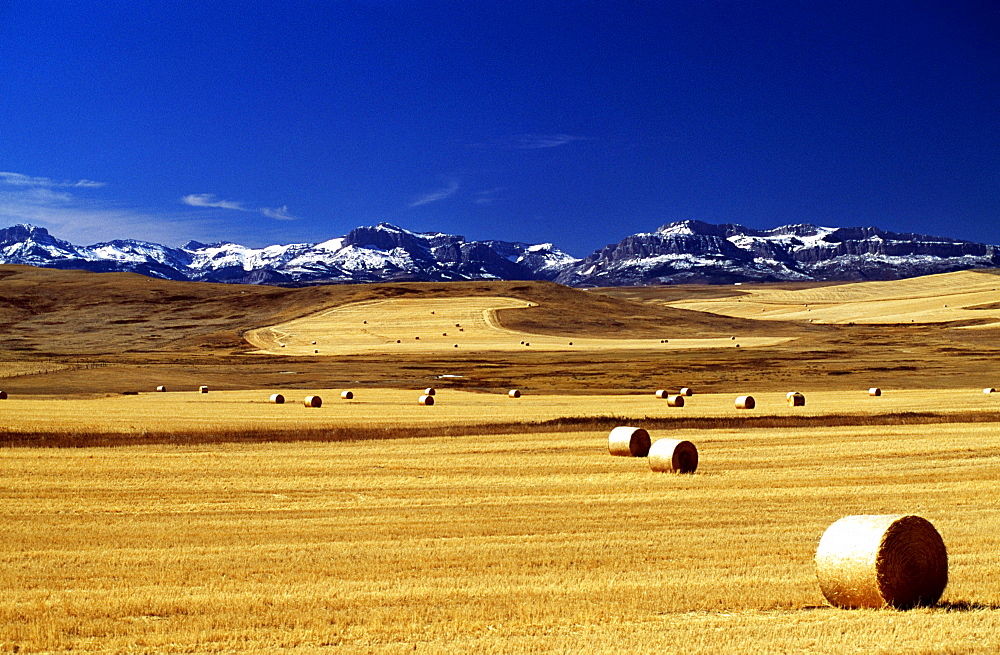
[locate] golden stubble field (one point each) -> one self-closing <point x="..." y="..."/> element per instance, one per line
<point x="222" y="523"/>
<point x="486" y="543"/>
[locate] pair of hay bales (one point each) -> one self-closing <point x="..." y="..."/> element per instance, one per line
<point x="664" y="455"/>
<point x="309" y="401"/>
<point x="673" y="400"/>
<point x="427" y="398"/>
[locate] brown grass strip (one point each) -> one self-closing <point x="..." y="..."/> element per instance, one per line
<point x="84" y="438"/>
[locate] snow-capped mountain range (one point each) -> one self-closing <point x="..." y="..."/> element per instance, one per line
<point x="686" y="251"/>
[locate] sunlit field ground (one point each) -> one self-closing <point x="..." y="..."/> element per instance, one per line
<point x="493" y="543"/>
<point x="232" y="411"/>
<point x="218" y="522"/>
<point x="434" y="325"/>
<point x="960" y="296"/>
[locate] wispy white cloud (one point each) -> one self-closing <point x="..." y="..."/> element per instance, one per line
<point x="486" y="196"/>
<point x="439" y="194"/>
<point x="209" y="200"/>
<point x="278" y="213"/>
<point x="531" y="141"/>
<point x="21" y="180"/>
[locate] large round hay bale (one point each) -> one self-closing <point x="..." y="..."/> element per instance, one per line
<point x="673" y="456"/>
<point x="745" y="402"/>
<point x="3" y="395"/>
<point x="686" y="391"/>
<point x="890" y="560"/>
<point x="675" y="401"/>
<point x="161" y="388"/>
<point x="514" y="393"/>
<point x="277" y="399"/>
<point x="426" y="400"/>
<point x="989" y="390"/>
<point x="874" y="391"/>
<point x="203" y="388"/>
<point x="347" y="395"/>
<point x="313" y="401"/>
<point x="795" y="399"/>
<point x="661" y="393"/>
<point x="628" y="442"/>
<point x="429" y="391"/>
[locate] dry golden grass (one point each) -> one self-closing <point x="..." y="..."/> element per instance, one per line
<point x="960" y="296"/>
<point x="235" y="411"/>
<point x="400" y="327"/>
<point x="498" y="543"/>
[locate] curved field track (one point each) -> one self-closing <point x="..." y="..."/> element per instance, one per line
<point x="959" y="296"/>
<point x="436" y="325"/>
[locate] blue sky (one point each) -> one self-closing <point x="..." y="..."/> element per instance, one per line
<point x="572" y="122"/>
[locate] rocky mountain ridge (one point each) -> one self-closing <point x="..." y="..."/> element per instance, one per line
<point x="679" y="252"/>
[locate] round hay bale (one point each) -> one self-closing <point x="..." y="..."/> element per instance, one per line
<point x="161" y="388"/>
<point x="745" y="402"/>
<point x="989" y="390"/>
<point x="893" y="560"/>
<point x="277" y="399"/>
<point x="347" y="395"/>
<point x="675" y="401"/>
<point x="795" y="399"/>
<point x="874" y="391"/>
<point x="3" y="395"/>
<point x="458" y="325"/>
<point x="514" y="393"/>
<point x="686" y="391"/>
<point x="426" y="400"/>
<point x="661" y="393"/>
<point x="314" y="343"/>
<point x="626" y="441"/>
<point x="282" y="345"/>
<point x="313" y="401"/>
<point x="429" y="391"/>
<point x="673" y="456"/>
<point x="203" y="388"/>
<point x="571" y="343"/>
<point x="315" y="351"/>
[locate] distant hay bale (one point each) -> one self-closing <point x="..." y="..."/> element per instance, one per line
<point x="347" y="395"/>
<point x="282" y="345"/>
<point x="3" y="395"/>
<point x="426" y="400"/>
<point x="315" y="352"/>
<point x="277" y="399"/>
<point x="733" y="338"/>
<point x="203" y="388"/>
<point x="661" y="393"/>
<point x="745" y="402"/>
<point x="795" y="399"/>
<point x="313" y="401"/>
<point x="514" y="393"/>
<point x="626" y="441"/>
<point x="675" y="401"/>
<point x="878" y="561"/>
<point x="161" y="388"/>
<point x="458" y="325"/>
<point x="571" y="343"/>
<point x="444" y="334"/>
<point x="874" y="391"/>
<point x="430" y="391"/>
<point x="686" y="391"/>
<point x="989" y="390"/>
<point x="314" y="343"/>
<point x="673" y="456"/>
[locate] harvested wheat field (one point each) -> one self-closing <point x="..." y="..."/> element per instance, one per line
<point x="486" y="543"/>
<point x="233" y="411"/>
<point x="407" y="326"/>
<point x="961" y="296"/>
